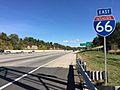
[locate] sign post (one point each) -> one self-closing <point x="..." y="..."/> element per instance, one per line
<point x="105" y="59"/>
<point x="104" y="25"/>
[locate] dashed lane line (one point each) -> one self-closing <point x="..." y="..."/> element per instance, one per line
<point x="17" y="79"/>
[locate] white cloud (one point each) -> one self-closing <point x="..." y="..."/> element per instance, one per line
<point x="72" y="41"/>
<point x="65" y="41"/>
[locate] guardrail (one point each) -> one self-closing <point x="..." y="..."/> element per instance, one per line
<point x="91" y="76"/>
<point x="82" y="70"/>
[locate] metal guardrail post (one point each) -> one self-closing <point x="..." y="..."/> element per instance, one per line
<point x="87" y="79"/>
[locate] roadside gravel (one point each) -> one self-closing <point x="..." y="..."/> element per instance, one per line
<point x="64" y="61"/>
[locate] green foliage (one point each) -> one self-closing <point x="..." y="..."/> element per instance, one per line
<point x="2" y="45"/>
<point x="3" y="36"/>
<point x="95" y="62"/>
<point x="14" y="42"/>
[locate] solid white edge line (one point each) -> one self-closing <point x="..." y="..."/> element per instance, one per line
<point x="17" y="79"/>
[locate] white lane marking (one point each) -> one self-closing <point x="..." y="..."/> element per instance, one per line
<point x="17" y="79"/>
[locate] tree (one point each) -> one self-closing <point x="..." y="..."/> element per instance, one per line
<point x="2" y="45"/>
<point x="97" y="41"/>
<point x="3" y="36"/>
<point x="14" y="39"/>
<point x="115" y="37"/>
<point x="14" y="42"/>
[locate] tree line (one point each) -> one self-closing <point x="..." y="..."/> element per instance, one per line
<point x="13" y="42"/>
<point x="111" y="40"/>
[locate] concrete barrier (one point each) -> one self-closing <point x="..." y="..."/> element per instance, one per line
<point x="26" y="51"/>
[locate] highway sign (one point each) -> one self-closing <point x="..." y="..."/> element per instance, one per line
<point x="83" y="44"/>
<point x="104" y="25"/>
<point x="107" y="11"/>
<point x="87" y="44"/>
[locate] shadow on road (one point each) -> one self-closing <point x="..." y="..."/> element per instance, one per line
<point x="71" y="81"/>
<point x="43" y="79"/>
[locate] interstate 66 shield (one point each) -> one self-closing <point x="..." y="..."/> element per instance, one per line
<point x="104" y="25"/>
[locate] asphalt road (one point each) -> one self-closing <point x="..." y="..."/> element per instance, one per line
<point x="27" y="72"/>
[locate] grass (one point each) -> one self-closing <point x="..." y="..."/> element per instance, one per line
<point x="95" y="61"/>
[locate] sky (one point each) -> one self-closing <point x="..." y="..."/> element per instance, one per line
<point x="68" y="22"/>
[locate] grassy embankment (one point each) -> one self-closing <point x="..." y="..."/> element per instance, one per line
<point x="95" y="61"/>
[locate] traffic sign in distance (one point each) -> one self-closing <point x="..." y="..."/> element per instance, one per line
<point x="104" y="25"/>
<point x="87" y="44"/>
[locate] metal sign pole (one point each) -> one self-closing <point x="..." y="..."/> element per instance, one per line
<point x="104" y="27"/>
<point x="105" y="60"/>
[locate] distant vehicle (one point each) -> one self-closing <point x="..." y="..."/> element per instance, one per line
<point x="1" y="51"/>
<point x="7" y="52"/>
<point x="33" y="51"/>
<point x="29" y="52"/>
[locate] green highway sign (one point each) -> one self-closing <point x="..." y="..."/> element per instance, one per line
<point x="83" y="44"/>
<point x="87" y="44"/>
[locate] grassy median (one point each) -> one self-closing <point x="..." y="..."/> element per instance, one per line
<point x="95" y="61"/>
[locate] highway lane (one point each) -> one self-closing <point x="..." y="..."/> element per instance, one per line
<point x="39" y="77"/>
<point x="11" y="57"/>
